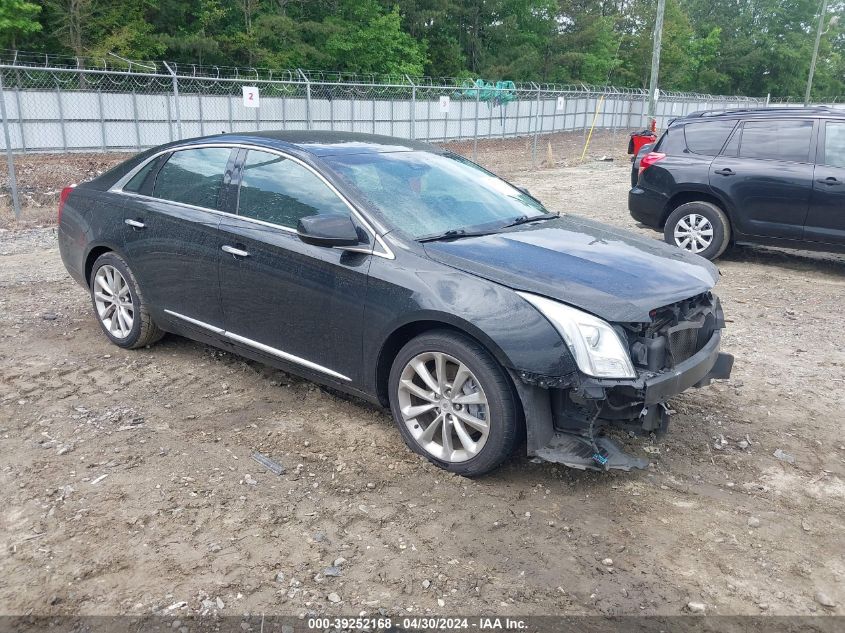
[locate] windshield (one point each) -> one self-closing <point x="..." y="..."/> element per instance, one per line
<point x="425" y="194"/>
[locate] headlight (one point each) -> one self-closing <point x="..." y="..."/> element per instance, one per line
<point x="595" y="345"/>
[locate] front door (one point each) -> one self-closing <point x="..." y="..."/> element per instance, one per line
<point x="766" y="172"/>
<point x="297" y="302"/>
<point x="171" y="239"/>
<point x="826" y="219"/>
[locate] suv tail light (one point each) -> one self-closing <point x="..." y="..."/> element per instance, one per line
<point x="649" y="159"/>
<point x="62" y="199"/>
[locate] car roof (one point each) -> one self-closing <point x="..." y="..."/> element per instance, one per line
<point x="321" y="142"/>
<point x="779" y="112"/>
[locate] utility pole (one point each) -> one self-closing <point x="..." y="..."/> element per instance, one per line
<point x="655" y="59"/>
<point x="822" y="15"/>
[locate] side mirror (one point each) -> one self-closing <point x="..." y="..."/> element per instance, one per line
<point x="329" y="229"/>
<point x="524" y="190"/>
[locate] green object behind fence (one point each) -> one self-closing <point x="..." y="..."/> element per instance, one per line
<point x="501" y="92"/>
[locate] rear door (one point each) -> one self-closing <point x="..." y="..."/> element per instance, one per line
<point x="766" y="174"/>
<point x="826" y="219"/>
<point x="172" y="243"/>
<point x="294" y="301"/>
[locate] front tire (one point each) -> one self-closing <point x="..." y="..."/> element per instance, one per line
<point x="454" y="403"/>
<point x="698" y="227"/>
<point x="119" y="306"/>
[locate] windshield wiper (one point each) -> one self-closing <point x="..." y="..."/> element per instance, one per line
<point x="452" y="234"/>
<point x="525" y="219"/>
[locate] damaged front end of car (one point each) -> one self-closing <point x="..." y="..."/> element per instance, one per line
<point x="644" y="364"/>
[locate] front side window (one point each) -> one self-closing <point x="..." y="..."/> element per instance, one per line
<point x="776" y="140"/>
<point x="193" y="176"/>
<point x="834" y="144"/>
<point x="708" y="137"/>
<point x="281" y="191"/>
<point x="422" y="193"/>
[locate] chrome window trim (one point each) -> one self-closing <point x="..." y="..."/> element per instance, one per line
<point x="260" y="346"/>
<point x="368" y="225"/>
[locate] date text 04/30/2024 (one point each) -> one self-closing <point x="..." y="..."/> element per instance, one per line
<point x="419" y="623"/>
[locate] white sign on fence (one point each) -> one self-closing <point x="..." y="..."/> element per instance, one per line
<point x="444" y="105"/>
<point x="250" y="96"/>
<point x="561" y="103"/>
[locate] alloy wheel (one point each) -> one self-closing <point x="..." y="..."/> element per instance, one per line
<point x="444" y="407"/>
<point x="113" y="300"/>
<point x="694" y="233"/>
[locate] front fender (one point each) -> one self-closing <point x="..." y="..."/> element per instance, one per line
<point x="518" y="336"/>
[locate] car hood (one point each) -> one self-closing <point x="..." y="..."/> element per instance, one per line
<point x="609" y="272"/>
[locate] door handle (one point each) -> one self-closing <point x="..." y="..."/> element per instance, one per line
<point x="830" y="180"/>
<point x="727" y="171"/>
<point x="237" y="252"/>
<point x="135" y="224"/>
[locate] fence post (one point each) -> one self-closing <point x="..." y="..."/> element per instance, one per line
<point x="20" y="116"/>
<point x="308" y="115"/>
<point x="10" y="159"/>
<point x="137" y="123"/>
<point x="475" y="132"/>
<point x="62" y="112"/>
<point x="199" y="111"/>
<point x="413" y="107"/>
<point x="229" y="112"/>
<point x="536" y="130"/>
<point x="175" y="101"/>
<point x="102" y="119"/>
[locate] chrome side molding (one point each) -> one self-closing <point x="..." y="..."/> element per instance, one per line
<point x="261" y="346"/>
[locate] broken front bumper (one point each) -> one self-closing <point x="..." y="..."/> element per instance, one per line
<point x="699" y="370"/>
<point x="563" y="423"/>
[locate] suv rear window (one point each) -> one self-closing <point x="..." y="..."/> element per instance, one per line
<point x="776" y="140"/>
<point x="708" y="137"/>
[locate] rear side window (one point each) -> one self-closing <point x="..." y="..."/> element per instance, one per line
<point x="193" y="176"/>
<point x="834" y="144"/>
<point x="672" y="142"/>
<point x="708" y="137"/>
<point x="279" y="190"/>
<point x="776" y="140"/>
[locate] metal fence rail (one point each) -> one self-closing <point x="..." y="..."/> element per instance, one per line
<point x="66" y="105"/>
<point x="51" y="108"/>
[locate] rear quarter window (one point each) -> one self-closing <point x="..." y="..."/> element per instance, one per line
<point x="707" y="137"/>
<point x="139" y="182"/>
<point x="672" y="141"/>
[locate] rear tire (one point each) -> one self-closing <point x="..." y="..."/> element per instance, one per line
<point x="119" y="306"/>
<point x="698" y="227"/>
<point x="454" y="403"/>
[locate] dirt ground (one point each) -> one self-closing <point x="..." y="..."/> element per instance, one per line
<point x="128" y="485"/>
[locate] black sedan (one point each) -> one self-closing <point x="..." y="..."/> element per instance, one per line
<point x="406" y="275"/>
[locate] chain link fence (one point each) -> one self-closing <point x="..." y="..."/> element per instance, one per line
<point x="54" y="104"/>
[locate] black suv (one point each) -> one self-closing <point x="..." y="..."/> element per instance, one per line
<point x="771" y="176"/>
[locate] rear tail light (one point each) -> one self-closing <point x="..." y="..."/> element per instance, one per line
<point x="649" y="159"/>
<point x="63" y="198"/>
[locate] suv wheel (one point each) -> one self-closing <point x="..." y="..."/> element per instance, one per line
<point x="698" y="227"/>
<point x="453" y="403"/>
<point x="119" y="305"/>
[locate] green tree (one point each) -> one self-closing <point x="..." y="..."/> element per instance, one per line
<point x="17" y="18"/>
<point x="373" y="42"/>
